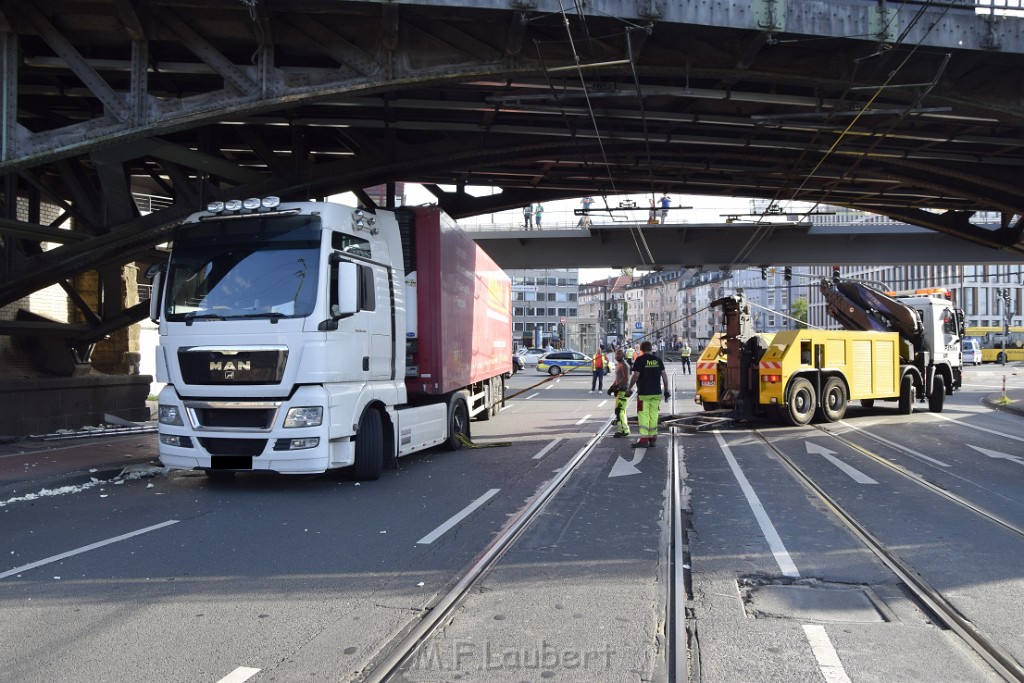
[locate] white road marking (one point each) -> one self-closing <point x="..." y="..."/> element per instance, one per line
<point x="775" y="544"/>
<point x="466" y="511"/>
<point x="829" y="664"/>
<point x="544" y="451"/>
<point x="893" y="444"/>
<point x="85" y="549"/>
<point x="531" y="396"/>
<point x="601" y="404"/>
<point x="849" y="470"/>
<point x="623" y="467"/>
<point x="582" y="420"/>
<point x="239" y="675"/>
<point x="980" y="429"/>
<point x="998" y="455"/>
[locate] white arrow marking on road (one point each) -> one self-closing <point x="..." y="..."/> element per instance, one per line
<point x="853" y="472"/>
<point x="998" y="455"/>
<point x="624" y="468"/>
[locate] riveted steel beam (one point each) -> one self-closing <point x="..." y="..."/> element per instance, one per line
<point x="202" y="48"/>
<point x="9" y="128"/>
<point x="113" y="102"/>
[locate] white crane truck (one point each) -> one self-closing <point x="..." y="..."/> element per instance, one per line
<point x="302" y="337"/>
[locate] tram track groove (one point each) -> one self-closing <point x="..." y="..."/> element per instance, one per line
<point x="989" y="516"/>
<point x="440" y="612"/>
<point x="1001" y="661"/>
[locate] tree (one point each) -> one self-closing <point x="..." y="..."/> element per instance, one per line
<point x="798" y="310"/>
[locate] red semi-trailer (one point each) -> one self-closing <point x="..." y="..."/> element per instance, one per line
<point x="463" y="317"/>
<point x="302" y="337"/>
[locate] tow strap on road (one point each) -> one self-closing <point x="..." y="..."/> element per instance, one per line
<point x="464" y="440"/>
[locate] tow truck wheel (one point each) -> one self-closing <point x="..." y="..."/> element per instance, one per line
<point x="905" y="406"/>
<point x="833" y="400"/>
<point x="800" y="406"/>
<point x="458" y="423"/>
<point x="938" y="396"/>
<point x="369" y="447"/>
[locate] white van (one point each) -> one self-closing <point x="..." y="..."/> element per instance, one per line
<point x="971" y="351"/>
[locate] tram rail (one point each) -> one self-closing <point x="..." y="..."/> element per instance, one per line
<point x="944" y="611"/>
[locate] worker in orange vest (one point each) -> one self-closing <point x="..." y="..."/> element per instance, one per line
<point x="597" y="365"/>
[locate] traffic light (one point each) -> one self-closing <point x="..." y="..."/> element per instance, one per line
<point x="835" y="273"/>
<point x="787" y="274"/>
<point x="764" y="273"/>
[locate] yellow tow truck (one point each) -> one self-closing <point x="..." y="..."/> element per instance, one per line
<point x="898" y="347"/>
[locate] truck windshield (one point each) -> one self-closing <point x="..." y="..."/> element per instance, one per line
<point x="244" y="268"/>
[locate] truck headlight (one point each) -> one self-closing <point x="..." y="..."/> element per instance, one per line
<point x="305" y="416"/>
<point x="170" y="415"/>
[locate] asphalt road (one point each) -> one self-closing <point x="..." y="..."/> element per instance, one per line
<point x="268" y="578"/>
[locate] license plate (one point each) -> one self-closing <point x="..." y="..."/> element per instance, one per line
<point x="707" y="383"/>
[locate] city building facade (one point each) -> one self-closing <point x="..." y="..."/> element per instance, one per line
<point x="543" y="302"/>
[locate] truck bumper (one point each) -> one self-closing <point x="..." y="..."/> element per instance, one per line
<point x="197" y="444"/>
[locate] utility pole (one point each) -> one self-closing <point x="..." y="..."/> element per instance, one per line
<point x="1007" y="318"/>
<point x="604" y="313"/>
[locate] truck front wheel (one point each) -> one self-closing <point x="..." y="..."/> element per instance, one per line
<point x="369" y="455"/>
<point x="905" y="405"/>
<point x="938" y="395"/>
<point x="801" y="404"/>
<point x="833" y="400"/>
<point x="458" y="424"/>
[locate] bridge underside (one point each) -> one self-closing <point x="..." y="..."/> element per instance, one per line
<point x="712" y="246"/>
<point x="911" y="112"/>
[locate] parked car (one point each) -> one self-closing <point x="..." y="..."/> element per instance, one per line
<point x="971" y="351"/>
<point x="530" y="356"/>
<point x="517" y="364"/>
<point x="559" y="361"/>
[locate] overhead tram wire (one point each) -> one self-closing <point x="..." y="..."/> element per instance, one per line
<point x="808" y="147"/>
<point x="881" y="88"/>
<point x="643" y="250"/>
<point x="643" y="121"/>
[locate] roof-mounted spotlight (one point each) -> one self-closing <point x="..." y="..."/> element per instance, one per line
<point x="215" y="207"/>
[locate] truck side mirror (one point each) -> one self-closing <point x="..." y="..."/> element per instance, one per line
<point x="155" y="274"/>
<point x="348" y="290"/>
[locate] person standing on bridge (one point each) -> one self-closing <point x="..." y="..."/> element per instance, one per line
<point x="684" y="356"/>
<point x="538" y="213"/>
<point x="648" y="377"/>
<point x="528" y="216"/>
<point x="587" y="202"/>
<point x="666" y="202"/>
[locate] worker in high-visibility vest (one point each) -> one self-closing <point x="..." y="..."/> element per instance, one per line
<point x="597" y="366"/>
<point x="618" y="389"/>
<point x="648" y="376"/>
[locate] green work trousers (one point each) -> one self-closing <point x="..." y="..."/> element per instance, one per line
<point x="621" y="399"/>
<point x="647" y="414"/>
